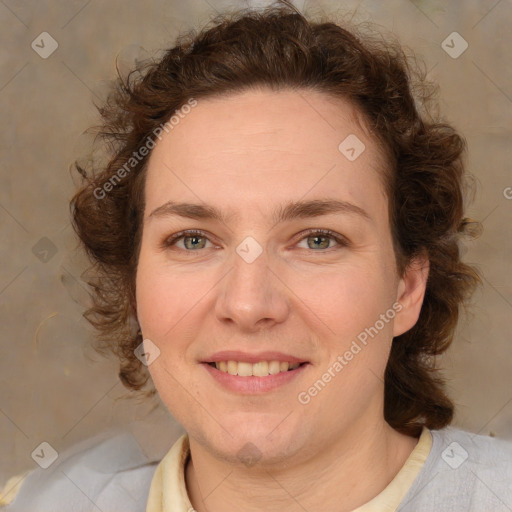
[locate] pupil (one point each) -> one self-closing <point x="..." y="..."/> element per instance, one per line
<point x="193" y="241"/>
<point x="317" y="240"/>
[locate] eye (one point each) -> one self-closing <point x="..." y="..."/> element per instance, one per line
<point x="321" y="239"/>
<point x="192" y="240"/>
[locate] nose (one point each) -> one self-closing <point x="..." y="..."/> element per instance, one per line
<point x="252" y="296"/>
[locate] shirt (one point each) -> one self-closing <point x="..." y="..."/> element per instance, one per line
<point x="449" y="470"/>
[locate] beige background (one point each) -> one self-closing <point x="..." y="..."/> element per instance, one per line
<point x="53" y="387"/>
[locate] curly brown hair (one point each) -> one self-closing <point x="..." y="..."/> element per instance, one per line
<point x="279" y="48"/>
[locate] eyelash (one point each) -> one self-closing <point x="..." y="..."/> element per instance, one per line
<point x="171" y="241"/>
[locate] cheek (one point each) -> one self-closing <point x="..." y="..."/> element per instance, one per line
<point x="163" y="297"/>
<point x="166" y="302"/>
<point x="347" y="299"/>
<point x="168" y="310"/>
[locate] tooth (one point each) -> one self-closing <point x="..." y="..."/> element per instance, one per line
<point x="273" y="367"/>
<point x="260" y="369"/>
<point x="244" y="369"/>
<point x="232" y="367"/>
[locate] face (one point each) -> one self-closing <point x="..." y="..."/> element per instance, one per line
<point x="287" y="258"/>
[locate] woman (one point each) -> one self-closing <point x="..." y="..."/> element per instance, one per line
<point x="276" y="242"/>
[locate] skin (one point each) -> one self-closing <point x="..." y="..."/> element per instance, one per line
<point x="248" y="153"/>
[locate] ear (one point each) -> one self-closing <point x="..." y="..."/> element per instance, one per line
<point x="410" y="294"/>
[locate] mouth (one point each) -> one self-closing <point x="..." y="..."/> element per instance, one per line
<point x="257" y="369"/>
<point x="257" y="377"/>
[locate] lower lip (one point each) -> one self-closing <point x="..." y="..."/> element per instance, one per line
<point x="254" y="385"/>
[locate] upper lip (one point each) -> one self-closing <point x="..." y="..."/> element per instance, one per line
<point x="236" y="355"/>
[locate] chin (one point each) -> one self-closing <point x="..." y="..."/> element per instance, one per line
<point x="256" y="442"/>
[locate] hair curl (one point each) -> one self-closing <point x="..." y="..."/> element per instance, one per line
<point x="279" y="48"/>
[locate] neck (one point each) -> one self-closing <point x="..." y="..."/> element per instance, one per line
<point x="341" y="477"/>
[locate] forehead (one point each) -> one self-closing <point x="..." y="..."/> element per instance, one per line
<point x="261" y="146"/>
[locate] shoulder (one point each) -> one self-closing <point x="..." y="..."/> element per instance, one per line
<point x="463" y="472"/>
<point x="478" y="450"/>
<point x="106" y="471"/>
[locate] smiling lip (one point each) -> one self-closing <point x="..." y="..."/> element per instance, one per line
<point x="253" y="385"/>
<point x="236" y="355"/>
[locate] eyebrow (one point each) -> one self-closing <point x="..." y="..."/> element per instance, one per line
<point x="287" y="212"/>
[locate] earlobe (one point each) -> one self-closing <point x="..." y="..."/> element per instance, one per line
<point x="410" y="294"/>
